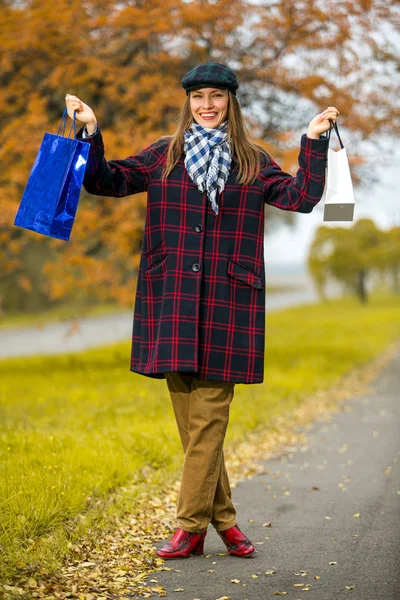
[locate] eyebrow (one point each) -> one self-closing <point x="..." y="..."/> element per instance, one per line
<point x="213" y="92"/>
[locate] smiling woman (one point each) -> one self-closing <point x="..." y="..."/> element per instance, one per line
<point x="209" y="106"/>
<point x="200" y="303"/>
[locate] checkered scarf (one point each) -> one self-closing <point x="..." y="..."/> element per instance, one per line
<point x="208" y="159"/>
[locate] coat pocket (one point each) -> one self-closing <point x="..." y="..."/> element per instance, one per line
<point x="245" y="274"/>
<point x="153" y="257"/>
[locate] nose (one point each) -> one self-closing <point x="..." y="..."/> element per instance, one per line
<point x="207" y="102"/>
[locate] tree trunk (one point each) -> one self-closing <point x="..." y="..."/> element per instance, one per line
<point x="361" y="286"/>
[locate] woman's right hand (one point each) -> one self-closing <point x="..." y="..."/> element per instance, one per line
<point x="84" y="113"/>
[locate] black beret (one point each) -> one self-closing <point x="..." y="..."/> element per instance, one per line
<point x="210" y="74"/>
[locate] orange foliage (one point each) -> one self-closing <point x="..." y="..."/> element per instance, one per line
<point x="126" y="59"/>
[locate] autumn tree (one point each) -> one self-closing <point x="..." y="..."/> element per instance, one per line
<point x="126" y="60"/>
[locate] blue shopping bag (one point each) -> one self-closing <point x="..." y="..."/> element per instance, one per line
<point x="51" y="196"/>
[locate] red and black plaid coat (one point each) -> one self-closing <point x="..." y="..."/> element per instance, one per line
<point x="200" y="300"/>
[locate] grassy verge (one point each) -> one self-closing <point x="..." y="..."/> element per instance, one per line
<point x="76" y="427"/>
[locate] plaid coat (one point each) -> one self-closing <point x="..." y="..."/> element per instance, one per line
<point x="200" y="299"/>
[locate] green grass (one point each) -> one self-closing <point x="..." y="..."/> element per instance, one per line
<point x="76" y="427"/>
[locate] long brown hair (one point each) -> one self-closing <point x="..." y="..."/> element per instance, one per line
<point x="245" y="151"/>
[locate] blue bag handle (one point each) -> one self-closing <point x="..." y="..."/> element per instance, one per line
<point x="63" y="124"/>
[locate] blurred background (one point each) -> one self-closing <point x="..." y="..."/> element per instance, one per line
<point x="126" y="60"/>
<point x="78" y="427"/>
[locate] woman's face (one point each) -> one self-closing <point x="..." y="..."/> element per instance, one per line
<point x="209" y="106"/>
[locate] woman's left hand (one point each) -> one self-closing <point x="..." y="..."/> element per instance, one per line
<point x="321" y="123"/>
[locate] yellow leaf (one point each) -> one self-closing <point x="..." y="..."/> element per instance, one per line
<point x="254" y="576"/>
<point x="267" y="524"/>
<point x="179" y="590"/>
<point x="350" y="587"/>
<point x="235" y="580"/>
<point x="356" y="515"/>
<point x="317" y="577"/>
<point x="333" y="562"/>
<point x="298" y="584"/>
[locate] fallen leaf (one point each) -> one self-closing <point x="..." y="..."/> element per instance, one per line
<point x="254" y="576"/>
<point x="235" y="580"/>
<point x="224" y="598"/>
<point x="270" y="572"/>
<point x="350" y="587"/>
<point x="328" y="518"/>
<point x="333" y="562"/>
<point x="317" y="577"/>
<point x="314" y="487"/>
<point x="298" y="584"/>
<point x="179" y="590"/>
<point x="357" y="515"/>
<point x="267" y="524"/>
<point x="306" y="589"/>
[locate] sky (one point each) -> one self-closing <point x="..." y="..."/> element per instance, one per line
<point x="381" y="203"/>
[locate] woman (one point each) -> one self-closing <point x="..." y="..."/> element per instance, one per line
<point x="199" y="318"/>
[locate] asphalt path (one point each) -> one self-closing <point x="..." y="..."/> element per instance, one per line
<point x="334" y="513"/>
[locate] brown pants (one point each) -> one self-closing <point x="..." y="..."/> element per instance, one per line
<point x="201" y="410"/>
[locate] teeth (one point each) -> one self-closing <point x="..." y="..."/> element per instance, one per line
<point x="209" y="115"/>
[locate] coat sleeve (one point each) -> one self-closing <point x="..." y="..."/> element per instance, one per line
<point x="120" y="177"/>
<point x="302" y="192"/>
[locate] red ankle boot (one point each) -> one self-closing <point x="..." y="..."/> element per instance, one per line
<point x="183" y="544"/>
<point x="236" y="542"/>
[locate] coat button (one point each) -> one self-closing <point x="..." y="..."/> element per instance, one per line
<point x="198" y="228"/>
<point x="196" y="267"/>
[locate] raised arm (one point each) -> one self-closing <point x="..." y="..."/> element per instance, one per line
<point x="115" y="177"/>
<point x="303" y="191"/>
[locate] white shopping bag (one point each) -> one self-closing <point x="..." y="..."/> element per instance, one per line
<point x="338" y="197"/>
